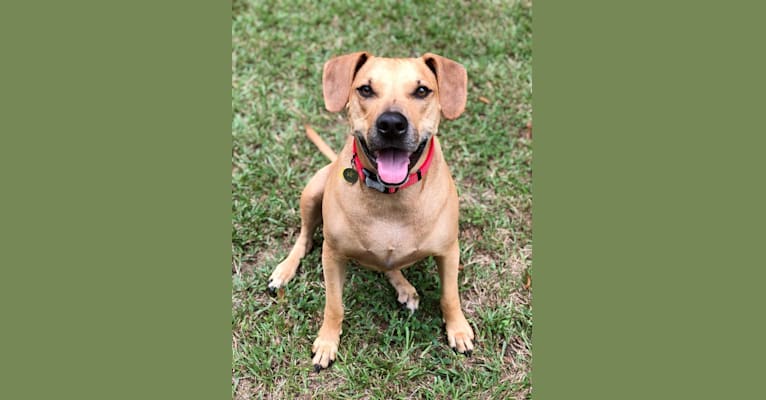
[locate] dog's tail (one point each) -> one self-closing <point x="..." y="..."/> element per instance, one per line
<point x="320" y="144"/>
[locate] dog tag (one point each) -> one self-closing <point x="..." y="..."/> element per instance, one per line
<point x="350" y="175"/>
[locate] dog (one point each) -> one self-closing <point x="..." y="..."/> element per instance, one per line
<point x="387" y="200"/>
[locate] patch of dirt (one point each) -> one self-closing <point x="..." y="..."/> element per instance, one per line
<point x="324" y="382"/>
<point x="244" y="389"/>
<point x="262" y="256"/>
<point x="470" y="234"/>
<point x="520" y="261"/>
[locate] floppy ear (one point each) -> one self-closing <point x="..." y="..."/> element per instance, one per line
<point x="452" y="80"/>
<point x="337" y="77"/>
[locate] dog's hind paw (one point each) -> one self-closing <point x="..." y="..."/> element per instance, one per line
<point x="406" y="294"/>
<point x="281" y="275"/>
<point x="409" y="300"/>
<point x="272" y="288"/>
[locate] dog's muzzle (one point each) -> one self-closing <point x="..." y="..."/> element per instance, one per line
<point x="392" y="145"/>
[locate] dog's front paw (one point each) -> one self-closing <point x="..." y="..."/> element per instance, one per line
<point x="324" y="351"/>
<point x="460" y="336"/>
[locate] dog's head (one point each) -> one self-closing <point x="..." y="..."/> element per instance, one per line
<point x="394" y="104"/>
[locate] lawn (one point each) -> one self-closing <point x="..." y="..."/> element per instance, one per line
<point x="278" y="49"/>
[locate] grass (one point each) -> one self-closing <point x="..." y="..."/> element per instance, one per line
<point x="278" y="49"/>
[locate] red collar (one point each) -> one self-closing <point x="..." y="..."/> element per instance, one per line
<point x="372" y="180"/>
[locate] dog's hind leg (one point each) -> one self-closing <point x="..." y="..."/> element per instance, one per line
<point x="406" y="294"/>
<point x="311" y="217"/>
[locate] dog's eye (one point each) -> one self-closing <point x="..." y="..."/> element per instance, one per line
<point x="422" y="92"/>
<point x="365" y="91"/>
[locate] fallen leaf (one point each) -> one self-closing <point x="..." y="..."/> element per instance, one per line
<point x="526" y="132"/>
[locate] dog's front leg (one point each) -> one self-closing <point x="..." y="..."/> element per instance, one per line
<point x="459" y="332"/>
<point x="326" y="344"/>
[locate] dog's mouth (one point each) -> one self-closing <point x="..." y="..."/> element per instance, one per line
<point x="393" y="164"/>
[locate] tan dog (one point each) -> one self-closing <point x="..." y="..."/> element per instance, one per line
<point x="388" y="199"/>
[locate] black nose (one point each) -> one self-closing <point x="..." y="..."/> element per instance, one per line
<point x="391" y="124"/>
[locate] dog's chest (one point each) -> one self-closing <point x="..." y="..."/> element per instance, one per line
<point x="386" y="243"/>
<point x="390" y="245"/>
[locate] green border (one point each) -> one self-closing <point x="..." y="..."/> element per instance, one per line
<point x="116" y="169"/>
<point x="648" y="200"/>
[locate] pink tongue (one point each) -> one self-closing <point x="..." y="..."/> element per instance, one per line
<point x="392" y="165"/>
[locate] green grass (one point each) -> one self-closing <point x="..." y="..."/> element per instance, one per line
<point x="278" y="49"/>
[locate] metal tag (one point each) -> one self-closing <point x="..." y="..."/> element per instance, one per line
<point x="350" y="175"/>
